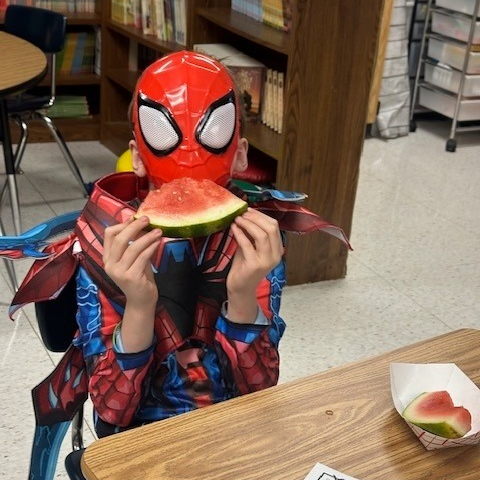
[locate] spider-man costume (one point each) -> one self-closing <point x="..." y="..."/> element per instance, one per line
<point x="199" y="357"/>
<point x="186" y="122"/>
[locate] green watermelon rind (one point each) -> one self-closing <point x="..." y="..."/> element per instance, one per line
<point x="443" y="429"/>
<point x="447" y="426"/>
<point x="199" y="229"/>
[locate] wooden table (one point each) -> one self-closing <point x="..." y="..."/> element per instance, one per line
<point x="22" y="66"/>
<point x="343" y="417"/>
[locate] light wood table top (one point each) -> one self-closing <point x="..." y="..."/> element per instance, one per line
<point x="344" y="418"/>
<point x="22" y="64"/>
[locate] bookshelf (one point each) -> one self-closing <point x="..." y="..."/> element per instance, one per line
<point x="73" y="129"/>
<point x="328" y="57"/>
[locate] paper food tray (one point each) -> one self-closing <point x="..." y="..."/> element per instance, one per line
<point x="408" y="380"/>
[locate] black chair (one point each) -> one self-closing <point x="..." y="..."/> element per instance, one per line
<point x="57" y="325"/>
<point x="47" y="30"/>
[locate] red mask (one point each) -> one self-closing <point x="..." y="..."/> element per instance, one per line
<point x="185" y="119"/>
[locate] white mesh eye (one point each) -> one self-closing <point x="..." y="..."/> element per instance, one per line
<point x="157" y="129"/>
<point x="218" y="130"/>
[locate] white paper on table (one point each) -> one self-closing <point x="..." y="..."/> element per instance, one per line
<point x="408" y="380"/>
<point x="322" y="472"/>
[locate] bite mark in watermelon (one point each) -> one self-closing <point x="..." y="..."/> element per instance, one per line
<point x="186" y="207"/>
<point x="436" y="413"/>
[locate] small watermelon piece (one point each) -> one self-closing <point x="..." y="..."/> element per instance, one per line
<point x="436" y="413"/>
<point x="186" y="207"/>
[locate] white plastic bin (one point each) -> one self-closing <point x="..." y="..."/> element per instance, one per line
<point x="463" y="6"/>
<point x="444" y="103"/>
<point x="453" y="54"/>
<point x="455" y="25"/>
<point x="448" y="78"/>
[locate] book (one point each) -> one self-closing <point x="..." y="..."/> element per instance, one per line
<point x="69" y="106"/>
<point x="276" y="7"/>
<point x="180" y="26"/>
<point x="65" y="58"/>
<point x="136" y="6"/>
<point x="146" y="17"/>
<point x="247" y="72"/>
<point x="268" y="92"/>
<point x="169" y="20"/>
<point x="218" y="51"/>
<point x="123" y="11"/>
<point x="281" y="93"/>
<point x="98" y="51"/>
<point x="274" y="119"/>
<point x="159" y="8"/>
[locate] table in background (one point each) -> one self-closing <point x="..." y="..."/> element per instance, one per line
<point x="23" y="65"/>
<point x="344" y="418"/>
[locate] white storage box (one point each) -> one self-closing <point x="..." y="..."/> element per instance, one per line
<point x="444" y="103"/>
<point x="448" y="78"/>
<point x="455" y="25"/>
<point x="453" y="54"/>
<point x="464" y="6"/>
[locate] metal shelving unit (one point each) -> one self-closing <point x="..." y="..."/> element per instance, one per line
<point x="464" y="109"/>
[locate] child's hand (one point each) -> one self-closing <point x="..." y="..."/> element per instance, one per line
<point x="126" y="258"/>
<point x="260" y="249"/>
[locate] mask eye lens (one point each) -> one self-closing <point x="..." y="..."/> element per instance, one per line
<point x="219" y="128"/>
<point x="157" y="129"/>
<point x="215" y="132"/>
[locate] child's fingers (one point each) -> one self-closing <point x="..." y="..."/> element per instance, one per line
<point x="118" y="237"/>
<point x="141" y="261"/>
<point x="263" y="230"/>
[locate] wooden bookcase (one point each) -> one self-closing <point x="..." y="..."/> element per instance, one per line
<point x="72" y="128"/>
<point x="328" y="58"/>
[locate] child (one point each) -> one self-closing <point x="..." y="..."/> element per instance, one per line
<point x="190" y="331"/>
<point x="164" y="325"/>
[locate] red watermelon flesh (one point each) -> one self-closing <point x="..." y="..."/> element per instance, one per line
<point x="436" y="413"/>
<point x="186" y="207"/>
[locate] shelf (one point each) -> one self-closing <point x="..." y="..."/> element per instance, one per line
<point x="73" y="18"/>
<point x="248" y="28"/>
<point x="149" y="41"/>
<point x="73" y="129"/>
<point x="264" y="139"/>
<point x="123" y="77"/>
<point x="115" y="136"/>
<point x="83" y="19"/>
<point x="63" y="79"/>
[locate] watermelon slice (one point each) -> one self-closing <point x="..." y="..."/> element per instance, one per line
<point x="187" y="207"/>
<point x="436" y="413"/>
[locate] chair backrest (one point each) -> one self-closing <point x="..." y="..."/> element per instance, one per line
<point x="44" y="28"/>
<point x="57" y="318"/>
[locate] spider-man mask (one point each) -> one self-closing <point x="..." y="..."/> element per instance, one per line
<point x="185" y="119"/>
